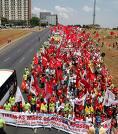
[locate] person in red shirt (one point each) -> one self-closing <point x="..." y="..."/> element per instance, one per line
<point x="38" y="104"/>
<point x="29" y="97"/>
<point x="15" y="108"/>
<point x="21" y="107"/>
<point x="103" y="117"/>
<point x="23" y="86"/>
<point x="79" y="117"/>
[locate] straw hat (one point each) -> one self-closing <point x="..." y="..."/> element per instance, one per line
<point x="102" y="131"/>
<point x="91" y="130"/>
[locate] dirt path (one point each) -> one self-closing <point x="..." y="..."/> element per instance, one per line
<point x="6" y="35"/>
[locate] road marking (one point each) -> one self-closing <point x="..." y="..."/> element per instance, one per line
<point x="22" y="60"/>
<point x="6" y="59"/>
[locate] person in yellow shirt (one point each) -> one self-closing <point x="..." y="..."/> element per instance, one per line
<point x="87" y="110"/>
<point x="12" y="100"/>
<point x="44" y="107"/>
<point x="91" y="109"/>
<point x="2" y="125"/>
<point x="66" y="107"/>
<point x="25" y="77"/>
<point x="7" y="106"/>
<point x="51" y="107"/>
<point x="27" y="107"/>
<point x="33" y="104"/>
<point x="27" y="71"/>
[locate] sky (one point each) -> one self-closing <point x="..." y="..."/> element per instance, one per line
<point x="80" y="11"/>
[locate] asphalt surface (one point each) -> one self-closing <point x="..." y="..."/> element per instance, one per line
<point x="17" y="56"/>
<point x="20" y="54"/>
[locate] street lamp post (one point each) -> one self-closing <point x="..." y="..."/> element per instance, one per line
<point x="94" y="12"/>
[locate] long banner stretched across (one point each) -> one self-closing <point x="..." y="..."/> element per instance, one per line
<point x="47" y="120"/>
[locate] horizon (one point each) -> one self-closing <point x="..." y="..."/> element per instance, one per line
<point x="79" y="12"/>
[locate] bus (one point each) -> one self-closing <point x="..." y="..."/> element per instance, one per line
<point x="8" y="84"/>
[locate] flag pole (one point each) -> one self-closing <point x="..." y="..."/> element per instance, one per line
<point x="94" y="12"/>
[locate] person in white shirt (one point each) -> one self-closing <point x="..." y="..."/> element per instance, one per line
<point x="89" y="118"/>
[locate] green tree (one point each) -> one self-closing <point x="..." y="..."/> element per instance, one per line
<point x="43" y="24"/>
<point x="34" y="21"/>
<point x="4" y="21"/>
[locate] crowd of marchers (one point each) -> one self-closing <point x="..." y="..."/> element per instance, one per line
<point x="69" y="77"/>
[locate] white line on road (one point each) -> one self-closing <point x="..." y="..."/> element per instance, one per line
<point x="22" y="60"/>
<point x="6" y="59"/>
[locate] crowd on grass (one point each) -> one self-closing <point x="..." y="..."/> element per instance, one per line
<point x="108" y="39"/>
<point x="68" y="77"/>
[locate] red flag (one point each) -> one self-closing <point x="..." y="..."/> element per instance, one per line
<point x="38" y="69"/>
<point x="23" y="85"/>
<point x="112" y="33"/>
<point x="97" y="35"/>
<point x="58" y="63"/>
<point x="44" y="61"/>
<point x="48" y="89"/>
<point x="36" y="59"/>
<point x="85" y="83"/>
<point x="59" y="74"/>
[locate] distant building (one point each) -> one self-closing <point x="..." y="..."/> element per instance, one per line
<point x="52" y="19"/>
<point x="15" y="9"/>
<point x="43" y="17"/>
<point x="48" y="18"/>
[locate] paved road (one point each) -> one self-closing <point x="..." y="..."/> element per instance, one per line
<point x="16" y="130"/>
<point x="18" y="56"/>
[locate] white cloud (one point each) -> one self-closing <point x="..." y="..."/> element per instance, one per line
<point x="64" y="12"/>
<point x="89" y="9"/>
<point x="37" y="10"/>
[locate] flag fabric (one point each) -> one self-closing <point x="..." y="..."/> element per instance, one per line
<point x="113" y="102"/>
<point x="107" y="126"/>
<point x="48" y="89"/>
<point x="36" y="59"/>
<point x="32" y="88"/>
<point x="109" y="98"/>
<point x="71" y="71"/>
<point x="85" y="83"/>
<point x="81" y="101"/>
<point x="19" y="96"/>
<point x="97" y="35"/>
<point x="44" y="61"/>
<point x="112" y="33"/>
